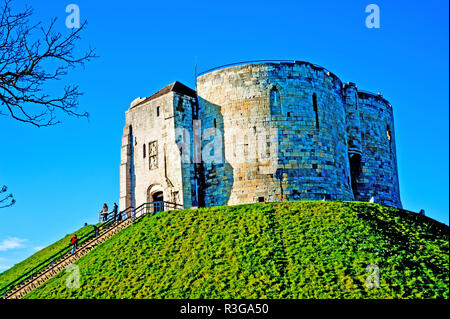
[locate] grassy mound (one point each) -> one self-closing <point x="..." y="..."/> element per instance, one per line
<point x="304" y="249"/>
<point x="40" y="256"/>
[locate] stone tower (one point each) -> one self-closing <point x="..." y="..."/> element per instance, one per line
<point x="260" y="132"/>
<point x="152" y="167"/>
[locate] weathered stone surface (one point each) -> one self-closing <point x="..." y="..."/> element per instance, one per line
<point x="260" y="132"/>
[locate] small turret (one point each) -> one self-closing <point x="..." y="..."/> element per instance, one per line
<point x="353" y="127"/>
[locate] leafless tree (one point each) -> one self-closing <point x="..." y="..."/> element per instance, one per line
<point x="31" y="56"/>
<point x="6" y="200"/>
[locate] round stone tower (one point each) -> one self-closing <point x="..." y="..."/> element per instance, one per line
<point x="257" y="132"/>
<point x="377" y="176"/>
<point x="283" y="131"/>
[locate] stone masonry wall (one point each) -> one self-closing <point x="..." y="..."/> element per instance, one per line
<point x="309" y="163"/>
<point x="379" y="176"/>
<point x="264" y="132"/>
<point x="148" y="127"/>
<point x="184" y="113"/>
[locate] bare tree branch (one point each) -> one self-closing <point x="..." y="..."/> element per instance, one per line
<point x="6" y="200"/>
<point x="30" y="57"/>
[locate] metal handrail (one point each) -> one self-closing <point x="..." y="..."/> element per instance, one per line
<point x="60" y="254"/>
<point x="110" y="222"/>
<point x="154" y="207"/>
<point x="36" y="269"/>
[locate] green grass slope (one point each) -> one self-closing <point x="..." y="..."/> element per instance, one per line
<point x="305" y="249"/>
<point x="40" y="256"/>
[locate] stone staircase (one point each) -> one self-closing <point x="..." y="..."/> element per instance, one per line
<point x="54" y="265"/>
<point x="51" y="270"/>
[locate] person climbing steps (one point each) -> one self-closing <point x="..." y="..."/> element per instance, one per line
<point x="115" y="212"/>
<point x="74" y="242"/>
<point x="104" y="213"/>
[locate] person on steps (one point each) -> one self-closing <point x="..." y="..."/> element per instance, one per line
<point x="104" y="213"/>
<point x="115" y="209"/>
<point x="74" y="242"/>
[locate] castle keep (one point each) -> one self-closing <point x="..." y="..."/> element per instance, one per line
<point x="259" y="132"/>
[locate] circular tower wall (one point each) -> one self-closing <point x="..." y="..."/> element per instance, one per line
<point x="378" y="174"/>
<point x="282" y="128"/>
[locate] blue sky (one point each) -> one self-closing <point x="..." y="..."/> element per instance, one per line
<point x="61" y="176"/>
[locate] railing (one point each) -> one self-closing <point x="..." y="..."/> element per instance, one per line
<point x="52" y="260"/>
<point x="112" y="220"/>
<point x="154" y="207"/>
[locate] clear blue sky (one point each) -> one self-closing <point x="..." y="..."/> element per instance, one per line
<point x="60" y="176"/>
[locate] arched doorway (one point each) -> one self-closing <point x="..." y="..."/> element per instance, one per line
<point x="158" y="197"/>
<point x="155" y="195"/>
<point x="158" y="200"/>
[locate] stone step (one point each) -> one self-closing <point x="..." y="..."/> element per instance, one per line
<point x="59" y="265"/>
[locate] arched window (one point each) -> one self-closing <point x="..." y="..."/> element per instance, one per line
<point x="389" y="136"/>
<point x="180" y="105"/>
<point x="355" y="172"/>
<point x="316" y="109"/>
<point x="275" y="101"/>
<point x="274" y="97"/>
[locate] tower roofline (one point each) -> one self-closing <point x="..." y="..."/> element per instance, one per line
<point x="176" y="87"/>
<point x="366" y="94"/>
<point x="271" y="62"/>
